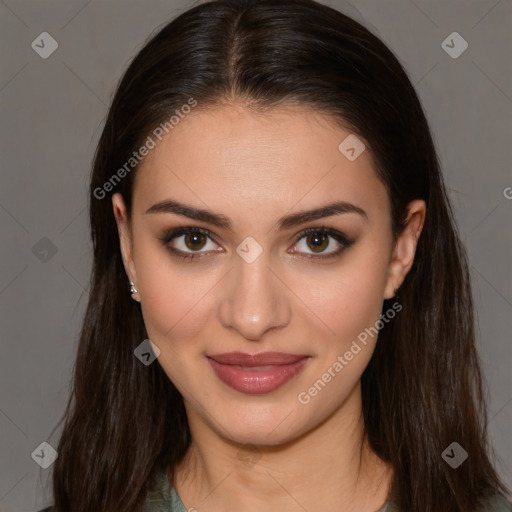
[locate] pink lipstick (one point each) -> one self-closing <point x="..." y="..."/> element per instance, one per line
<point x="257" y="373"/>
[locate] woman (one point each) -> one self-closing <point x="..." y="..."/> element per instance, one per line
<point x="267" y="208"/>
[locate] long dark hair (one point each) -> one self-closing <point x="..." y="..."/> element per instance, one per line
<point x="422" y="390"/>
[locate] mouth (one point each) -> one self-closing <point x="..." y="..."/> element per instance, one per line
<point x="257" y="373"/>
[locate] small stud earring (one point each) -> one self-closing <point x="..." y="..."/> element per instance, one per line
<point x="133" y="290"/>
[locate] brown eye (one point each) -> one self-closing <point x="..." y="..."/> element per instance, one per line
<point x="189" y="242"/>
<point x="195" y="241"/>
<point x="317" y="242"/>
<point x="322" y="243"/>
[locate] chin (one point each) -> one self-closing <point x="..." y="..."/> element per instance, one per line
<point x="265" y="425"/>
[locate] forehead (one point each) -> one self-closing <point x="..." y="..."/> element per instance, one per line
<point x="268" y="162"/>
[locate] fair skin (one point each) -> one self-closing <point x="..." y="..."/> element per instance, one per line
<point x="254" y="169"/>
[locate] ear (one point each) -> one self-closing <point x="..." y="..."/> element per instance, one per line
<point x="404" y="250"/>
<point x="125" y="237"/>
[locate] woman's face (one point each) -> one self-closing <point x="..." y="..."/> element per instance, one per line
<point x="251" y="281"/>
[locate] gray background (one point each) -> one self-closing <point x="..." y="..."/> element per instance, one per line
<point x="52" y="113"/>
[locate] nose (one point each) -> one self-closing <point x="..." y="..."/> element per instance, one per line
<point x="254" y="301"/>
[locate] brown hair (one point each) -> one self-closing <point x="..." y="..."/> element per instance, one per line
<point x="422" y="389"/>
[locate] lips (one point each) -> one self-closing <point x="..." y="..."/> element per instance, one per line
<point x="257" y="373"/>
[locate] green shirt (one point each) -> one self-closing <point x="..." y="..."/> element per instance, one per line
<point x="165" y="499"/>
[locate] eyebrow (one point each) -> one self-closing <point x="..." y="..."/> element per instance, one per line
<point x="288" y="221"/>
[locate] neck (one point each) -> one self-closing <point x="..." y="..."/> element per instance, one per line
<point x="328" y="468"/>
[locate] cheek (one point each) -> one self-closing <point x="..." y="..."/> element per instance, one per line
<point x="349" y="304"/>
<point x="174" y="297"/>
<point x="349" y="299"/>
<point x="174" y="307"/>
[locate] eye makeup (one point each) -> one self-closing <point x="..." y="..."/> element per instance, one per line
<point x="321" y="233"/>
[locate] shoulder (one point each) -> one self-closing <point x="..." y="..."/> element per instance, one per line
<point x="165" y="496"/>
<point x="162" y="498"/>
<point x="497" y="503"/>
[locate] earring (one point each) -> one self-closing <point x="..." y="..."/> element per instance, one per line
<point x="132" y="291"/>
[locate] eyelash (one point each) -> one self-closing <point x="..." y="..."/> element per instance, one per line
<point x="169" y="235"/>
